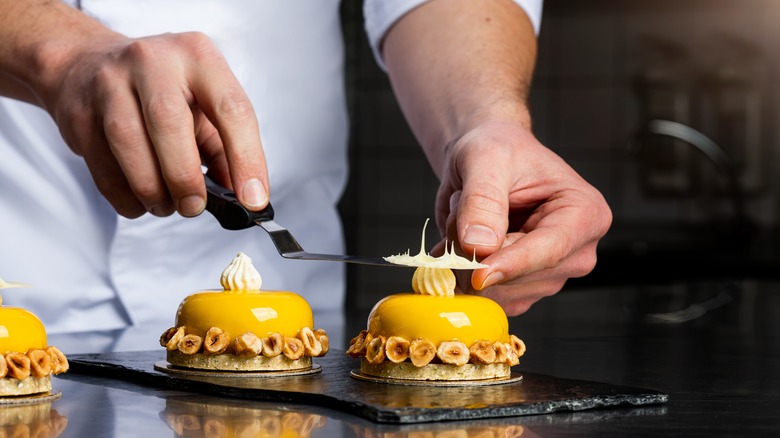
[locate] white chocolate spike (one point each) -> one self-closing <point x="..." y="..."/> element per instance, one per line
<point x="422" y="239"/>
<point x="8" y="285"/>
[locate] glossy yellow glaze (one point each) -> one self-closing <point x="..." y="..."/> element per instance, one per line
<point x="468" y="318"/>
<point x="20" y="330"/>
<point x="238" y="312"/>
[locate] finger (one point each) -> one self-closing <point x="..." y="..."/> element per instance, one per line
<point x="110" y="179"/>
<point x="212" y="150"/>
<point x="449" y="241"/>
<point x="82" y="132"/>
<point x="516" y="299"/>
<point x="170" y="127"/>
<point x="483" y="207"/>
<point x="448" y="225"/>
<point x="126" y="134"/>
<point x="223" y="100"/>
<point x="243" y="152"/>
<point x="554" y="239"/>
<point x="540" y="249"/>
<point x="79" y="113"/>
<point x="443" y="209"/>
<point x="165" y="99"/>
<point x="578" y="264"/>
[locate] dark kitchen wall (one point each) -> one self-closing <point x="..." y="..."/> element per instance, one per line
<point x="668" y="107"/>
<point x="391" y="187"/>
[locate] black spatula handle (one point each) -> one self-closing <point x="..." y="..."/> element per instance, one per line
<point x="223" y="204"/>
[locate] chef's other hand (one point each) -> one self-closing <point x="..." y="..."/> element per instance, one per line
<point x="146" y="113"/>
<point x="522" y="210"/>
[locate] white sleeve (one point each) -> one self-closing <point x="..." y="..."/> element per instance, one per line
<point x="380" y="15"/>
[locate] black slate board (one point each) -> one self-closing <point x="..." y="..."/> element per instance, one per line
<point x="383" y="403"/>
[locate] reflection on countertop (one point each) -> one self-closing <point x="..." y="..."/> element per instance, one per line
<point x="36" y="420"/>
<point x="211" y="417"/>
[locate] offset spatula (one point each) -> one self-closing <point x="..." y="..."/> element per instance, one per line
<point x="224" y="205"/>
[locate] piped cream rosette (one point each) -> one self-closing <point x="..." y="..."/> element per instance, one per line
<point x="243" y="328"/>
<point x="434" y="334"/>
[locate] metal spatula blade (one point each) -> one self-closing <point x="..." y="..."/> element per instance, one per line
<point x="223" y="204"/>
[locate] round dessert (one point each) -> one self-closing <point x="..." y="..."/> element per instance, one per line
<point x="436" y="335"/>
<point x="243" y="328"/>
<point x="26" y="361"/>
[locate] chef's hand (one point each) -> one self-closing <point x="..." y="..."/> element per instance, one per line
<point x="146" y="113"/>
<point x="462" y="72"/>
<point x="522" y="210"/>
<point x="143" y="113"/>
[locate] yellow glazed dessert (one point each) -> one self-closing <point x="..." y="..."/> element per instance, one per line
<point x="244" y="328"/>
<point x="434" y="334"/>
<point x="27" y="362"/>
<point x="468" y="318"/>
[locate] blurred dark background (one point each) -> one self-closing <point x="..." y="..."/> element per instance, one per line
<point x="668" y="107"/>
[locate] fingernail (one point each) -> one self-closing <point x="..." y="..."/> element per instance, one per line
<point x="192" y="205"/>
<point x="254" y="193"/>
<point x="494" y="278"/>
<point x="480" y="235"/>
<point x="162" y="210"/>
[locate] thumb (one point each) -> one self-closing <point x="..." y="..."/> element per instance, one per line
<point x="483" y="207"/>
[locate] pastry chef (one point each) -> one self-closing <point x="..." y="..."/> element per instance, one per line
<point x="112" y="108"/>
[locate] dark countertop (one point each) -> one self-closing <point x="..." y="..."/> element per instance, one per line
<point x="714" y="347"/>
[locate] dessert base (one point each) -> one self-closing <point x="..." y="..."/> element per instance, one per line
<point x="358" y="375"/>
<point x="406" y="373"/>
<point x="435" y="371"/>
<point x="232" y="362"/>
<point x="28" y="386"/>
<point x="31" y="399"/>
<point x="167" y="367"/>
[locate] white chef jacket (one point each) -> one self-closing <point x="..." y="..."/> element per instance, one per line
<point x="91" y="269"/>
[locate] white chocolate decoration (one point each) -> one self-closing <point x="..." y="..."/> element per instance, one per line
<point x="8" y="285"/>
<point x="449" y="260"/>
<point x="241" y="274"/>
<point x="434" y="281"/>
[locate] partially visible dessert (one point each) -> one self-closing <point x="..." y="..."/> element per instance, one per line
<point x="27" y="362"/>
<point x="244" y="328"/>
